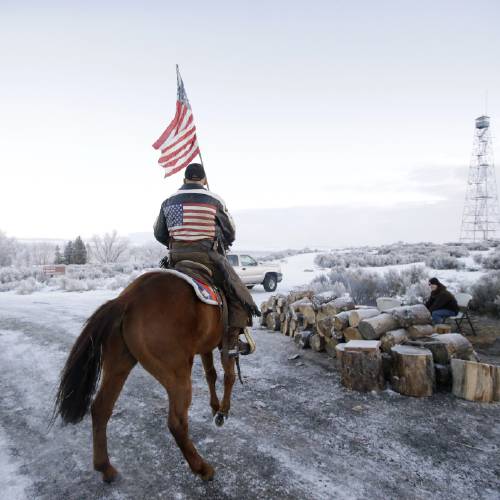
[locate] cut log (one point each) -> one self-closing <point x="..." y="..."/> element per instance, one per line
<point x="446" y="346"/>
<point x="302" y="339"/>
<point x="392" y="338"/>
<point x="273" y="321"/>
<point x="374" y="328"/>
<point x="317" y="343"/>
<point x="412" y="371"/>
<point x="361" y="366"/>
<point x="411" y="315"/>
<point x="284" y="326"/>
<point x="343" y="304"/>
<point x="442" y="328"/>
<point x="418" y="331"/>
<point x="339" y="351"/>
<point x="325" y="326"/>
<point x="298" y="295"/>
<point x="443" y="377"/>
<point x="263" y="320"/>
<point x="474" y="381"/>
<point x="326" y="310"/>
<point x="330" y="345"/>
<point x="341" y="321"/>
<point x="351" y="333"/>
<point x="357" y="315"/>
<point x="306" y="309"/>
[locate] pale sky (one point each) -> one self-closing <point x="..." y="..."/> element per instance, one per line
<point x="365" y="107"/>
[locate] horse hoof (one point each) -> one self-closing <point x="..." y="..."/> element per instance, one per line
<point x="219" y="419"/>
<point x="208" y="473"/>
<point x="109" y="475"/>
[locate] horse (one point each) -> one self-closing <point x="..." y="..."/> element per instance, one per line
<point x="159" y="322"/>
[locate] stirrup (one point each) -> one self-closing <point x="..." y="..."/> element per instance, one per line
<point x="249" y="346"/>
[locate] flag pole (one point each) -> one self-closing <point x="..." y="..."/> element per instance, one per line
<point x="179" y="79"/>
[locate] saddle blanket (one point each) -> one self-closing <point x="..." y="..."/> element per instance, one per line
<point x="204" y="292"/>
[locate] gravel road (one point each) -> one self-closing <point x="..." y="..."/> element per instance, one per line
<point x="294" y="431"/>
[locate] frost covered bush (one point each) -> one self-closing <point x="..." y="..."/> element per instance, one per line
<point x="486" y="294"/>
<point x="366" y="286"/>
<point x="480" y="245"/>
<point x="478" y="258"/>
<point x="492" y="261"/>
<point x="27" y="286"/>
<point x="387" y="255"/>
<point x="443" y="261"/>
<point x="457" y="251"/>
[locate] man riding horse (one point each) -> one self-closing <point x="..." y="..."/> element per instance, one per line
<point x="195" y="225"/>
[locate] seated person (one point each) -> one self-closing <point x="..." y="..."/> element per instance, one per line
<point x="442" y="304"/>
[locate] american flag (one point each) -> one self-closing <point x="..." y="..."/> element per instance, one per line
<point x="191" y="221"/>
<point x="178" y="144"/>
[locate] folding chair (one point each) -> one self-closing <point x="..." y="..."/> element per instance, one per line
<point x="463" y="301"/>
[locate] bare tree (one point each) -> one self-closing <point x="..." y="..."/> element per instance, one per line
<point x="41" y="253"/>
<point x="108" y="248"/>
<point x="7" y="249"/>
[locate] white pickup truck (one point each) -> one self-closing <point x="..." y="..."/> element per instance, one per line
<point x="254" y="273"/>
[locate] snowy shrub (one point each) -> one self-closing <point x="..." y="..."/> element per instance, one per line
<point x="480" y="245"/>
<point x="492" y="261"/>
<point x="27" y="286"/>
<point x="486" y="294"/>
<point x="478" y="258"/>
<point x="443" y="261"/>
<point x="366" y="286"/>
<point x="457" y="251"/>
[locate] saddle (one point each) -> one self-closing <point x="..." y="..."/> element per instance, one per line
<point x="204" y="277"/>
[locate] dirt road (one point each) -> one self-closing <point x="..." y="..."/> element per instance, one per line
<point x="294" y="432"/>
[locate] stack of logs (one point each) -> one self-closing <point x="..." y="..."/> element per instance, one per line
<point x="400" y="346"/>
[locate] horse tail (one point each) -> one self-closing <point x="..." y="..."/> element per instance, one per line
<point x="81" y="373"/>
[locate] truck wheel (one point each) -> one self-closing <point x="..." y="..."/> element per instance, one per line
<point x="270" y="282"/>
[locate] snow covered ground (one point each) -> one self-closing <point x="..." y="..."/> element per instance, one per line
<point x="294" y="432"/>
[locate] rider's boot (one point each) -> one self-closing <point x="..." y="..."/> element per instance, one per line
<point x="246" y="346"/>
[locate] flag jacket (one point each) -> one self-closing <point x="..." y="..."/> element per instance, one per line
<point x="194" y="213"/>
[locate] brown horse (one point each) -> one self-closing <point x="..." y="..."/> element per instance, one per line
<point x="156" y="321"/>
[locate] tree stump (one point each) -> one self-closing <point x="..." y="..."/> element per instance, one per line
<point x="442" y="328"/>
<point x="412" y="371"/>
<point x="418" y="331"/>
<point x="317" y="343"/>
<point x="475" y="381"/>
<point x="339" y="352"/>
<point x="392" y="338"/>
<point x="356" y="316"/>
<point x="351" y="333"/>
<point x="361" y="366"/>
<point x="407" y="316"/>
<point x="374" y="328"/>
